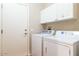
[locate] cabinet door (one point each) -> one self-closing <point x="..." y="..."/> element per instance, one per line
<point x="44" y="16"/>
<point x="63" y="50"/>
<point x="51" y="13"/>
<point x="15" y="35"/>
<point x="64" y="11"/>
<point x="54" y="49"/>
<point x="36" y="45"/>
<point x="48" y="14"/>
<point x="51" y="49"/>
<point x="68" y="11"/>
<point x="59" y="11"/>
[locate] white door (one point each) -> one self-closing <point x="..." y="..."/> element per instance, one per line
<point x="15" y="29"/>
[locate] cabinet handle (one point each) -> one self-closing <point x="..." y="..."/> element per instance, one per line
<point x="25" y="33"/>
<point x="69" y="52"/>
<point x="25" y="29"/>
<point x="1" y="31"/>
<point x="45" y="50"/>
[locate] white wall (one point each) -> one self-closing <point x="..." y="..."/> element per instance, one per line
<point x="45" y="5"/>
<point x="34" y="18"/>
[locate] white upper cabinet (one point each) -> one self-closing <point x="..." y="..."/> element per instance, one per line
<point x="65" y="11"/>
<point x="58" y="12"/>
<point x="48" y="14"/>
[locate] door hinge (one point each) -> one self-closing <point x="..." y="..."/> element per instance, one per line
<point x="1" y="31"/>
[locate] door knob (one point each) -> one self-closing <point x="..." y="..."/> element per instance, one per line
<point x="25" y="33"/>
<point x="25" y="29"/>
